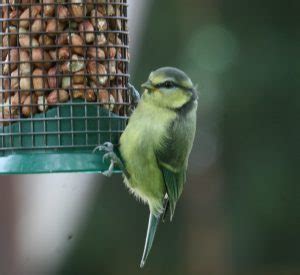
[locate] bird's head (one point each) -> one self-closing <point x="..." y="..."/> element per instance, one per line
<point x="169" y="87"/>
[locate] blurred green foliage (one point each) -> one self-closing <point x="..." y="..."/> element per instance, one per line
<point x="261" y="138"/>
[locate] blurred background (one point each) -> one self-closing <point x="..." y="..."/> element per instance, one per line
<point x="240" y="210"/>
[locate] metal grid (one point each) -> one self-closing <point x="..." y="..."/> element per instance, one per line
<point x="64" y="74"/>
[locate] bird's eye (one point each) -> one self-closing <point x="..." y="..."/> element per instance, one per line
<point x="168" y="84"/>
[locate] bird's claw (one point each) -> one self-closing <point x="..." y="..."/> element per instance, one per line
<point x="98" y="148"/>
<point x="108" y="173"/>
<point x="106" y="146"/>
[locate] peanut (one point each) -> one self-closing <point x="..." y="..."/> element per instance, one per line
<point x="29" y="105"/>
<point x="57" y="96"/>
<point x="40" y="81"/>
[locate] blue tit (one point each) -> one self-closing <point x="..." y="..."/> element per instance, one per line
<point x="156" y="144"/>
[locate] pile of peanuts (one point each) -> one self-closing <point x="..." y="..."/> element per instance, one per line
<point x="54" y="51"/>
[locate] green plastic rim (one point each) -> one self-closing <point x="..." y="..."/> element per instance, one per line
<point x="45" y="144"/>
<point x="53" y="163"/>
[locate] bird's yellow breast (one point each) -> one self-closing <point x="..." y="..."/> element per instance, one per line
<point x="146" y="128"/>
<point x="143" y="135"/>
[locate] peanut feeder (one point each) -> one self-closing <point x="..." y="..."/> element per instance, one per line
<point x="63" y="82"/>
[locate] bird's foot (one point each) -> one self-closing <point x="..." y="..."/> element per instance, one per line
<point x="111" y="156"/>
<point x="108" y="156"/>
<point x="135" y="96"/>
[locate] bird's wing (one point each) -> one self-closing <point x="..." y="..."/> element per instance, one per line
<point x="172" y="160"/>
<point x="174" y="184"/>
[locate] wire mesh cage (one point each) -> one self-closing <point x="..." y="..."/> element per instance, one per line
<point x="64" y="75"/>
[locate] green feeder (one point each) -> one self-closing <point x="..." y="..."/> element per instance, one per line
<point x="40" y="130"/>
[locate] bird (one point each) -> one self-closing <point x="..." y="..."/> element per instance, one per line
<point x="155" y="146"/>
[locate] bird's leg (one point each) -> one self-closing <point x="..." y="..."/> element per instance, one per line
<point x="114" y="159"/>
<point x="135" y="96"/>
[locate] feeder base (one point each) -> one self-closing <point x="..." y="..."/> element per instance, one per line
<point x="53" y="163"/>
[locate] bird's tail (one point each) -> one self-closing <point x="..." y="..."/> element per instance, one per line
<point x="152" y="226"/>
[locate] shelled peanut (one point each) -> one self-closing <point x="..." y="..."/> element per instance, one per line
<point x="54" y="51"/>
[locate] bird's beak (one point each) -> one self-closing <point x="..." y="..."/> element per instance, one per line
<point x="148" y="85"/>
